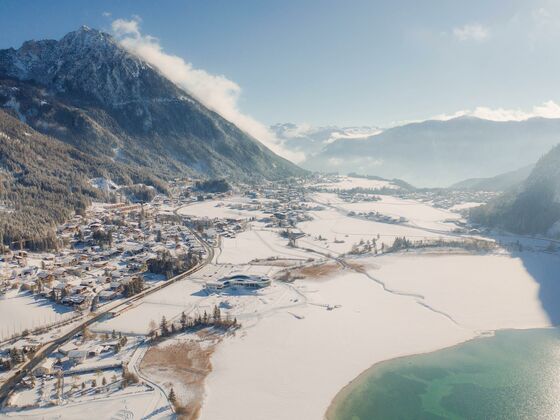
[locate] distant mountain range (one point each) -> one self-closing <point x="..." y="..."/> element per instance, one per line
<point x="533" y="206"/>
<point x="88" y="91"/>
<point x="312" y="140"/>
<point x="440" y="153"/>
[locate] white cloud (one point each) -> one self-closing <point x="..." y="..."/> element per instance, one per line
<point x="335" y="161"/>
<point x="354" y="133"/>
<point x="298" y="130"/>
<point x="106" y="14"/>
<point x="359" y="163"/>
<point x="216" y="92"/>
<point x="126" y="28"/>
<point x="549" y="109"/>
<point x="327" y="134"/>
<point x="541" y="16"/>
<point x="546" y="24"/>
<point x="472" y="31"/>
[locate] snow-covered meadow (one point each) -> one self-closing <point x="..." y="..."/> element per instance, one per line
<point x="256" y="243"/>
<point x="300" y="358"/>
<point x="339" y="231"/>
<point x="344" y="182"/>
<point x="21" y="310"/>
<point x="380" y="307"/>
<point x="234" y="207"/>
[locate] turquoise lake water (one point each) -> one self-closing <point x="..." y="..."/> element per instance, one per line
<point x="512" y="375"/>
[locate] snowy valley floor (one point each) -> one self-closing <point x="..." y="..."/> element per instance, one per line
<point x="296" y="352"/>
<point x="301" y="342"/>
<point x="291" y="364"/>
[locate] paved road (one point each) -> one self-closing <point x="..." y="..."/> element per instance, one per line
<point x="51" y="346"/>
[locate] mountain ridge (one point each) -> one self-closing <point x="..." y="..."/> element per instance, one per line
<point x="500" y="182"/>
<point x="87" y="83"/>
<point x="532" y="207"/>
<point x="440" y="153"/>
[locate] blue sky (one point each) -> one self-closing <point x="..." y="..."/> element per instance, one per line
<point x="351" y="62"/>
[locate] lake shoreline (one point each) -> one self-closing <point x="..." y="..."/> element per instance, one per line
<point x="354" y="384"/>
<point x="362" y="377"/>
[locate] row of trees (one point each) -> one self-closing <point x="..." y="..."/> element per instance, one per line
<point x="215" y="319"/>
<point x="15" y="357"/>
<point x="364" y="247"/>
<point x="403" y="243"/>
<point x="470" y="244"/>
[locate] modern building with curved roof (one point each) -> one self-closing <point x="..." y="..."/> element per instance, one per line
<point x="236" y="280"/>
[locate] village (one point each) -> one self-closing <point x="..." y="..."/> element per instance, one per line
<point x="107" y="256"/>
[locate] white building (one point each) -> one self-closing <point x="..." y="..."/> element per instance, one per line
<point x="45" y="368"/>
<point x="77" y="356"/>
<point x="239" y="280"/>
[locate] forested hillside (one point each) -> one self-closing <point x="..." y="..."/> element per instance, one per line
<point x="531" y="208"/>
<point x="44" y="181"/>
<point x="501" y="182"/>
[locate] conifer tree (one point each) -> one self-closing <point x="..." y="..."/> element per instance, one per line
<point x="172" y="397"/>
<point x="164" y="327"/>
<point x="183" y="321"/>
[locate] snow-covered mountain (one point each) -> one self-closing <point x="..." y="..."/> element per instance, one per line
<point x="440" y="153"/>
<point x="88" y="91"/>
<point x="87" y="62"/>
<point x="311" y="140"/>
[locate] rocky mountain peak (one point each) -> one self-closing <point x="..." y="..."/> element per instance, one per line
<point x="88" y="65"/>
<point x="85" y="38"/>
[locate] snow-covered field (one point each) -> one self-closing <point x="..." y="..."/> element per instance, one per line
<point x="20" y="311"/>
<point x="417" y="214"/>
<point x="227" y="208"/>
<point x="480" y="292"/>
<point x="256" y="244"/>
<point x="300" y="358"/>
<point x="348" y="183"/>
<point x="341" y="232"/>
<point x="168" y="302"/>
<point x="119" y="406"/>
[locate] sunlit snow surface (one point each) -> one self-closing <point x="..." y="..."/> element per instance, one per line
<point x="302" y="342"/>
